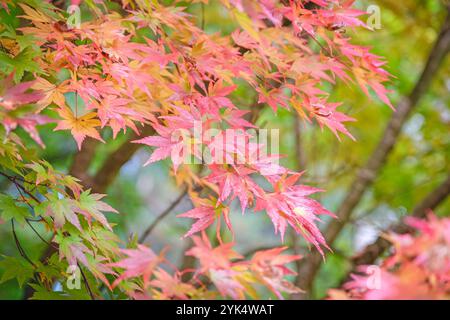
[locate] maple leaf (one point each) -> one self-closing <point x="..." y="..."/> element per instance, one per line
<point x="60" y="209"/>
<point x="235" y="181"/>
<point x="12" y="96"/>
<point x="326" y="114"/>
<point x="246" y="23"/>
<point x="116" y="112"/>
<point x="90" y="206"/>
<point x="273" y="98"/>
<point x="342" y="17"/>
<point x="235" y="119"/>
<point x="72" y="248"/>
<point x="174" y="142"/>
<point x="140" y="262"/>
<point x="289" y="205"/>
<point x="171" y="286"/>
<point x="313" y="66"/>
<point x="164" y="148"/>
<point x="80" y="127"/>
<point x="227" y="284"/>
<point x="236" y="148"/>
<point x="216" y="99"/>
<point x="15" y="268"/>
<point x="206" y="213"/>
<point x="28" y="123"/>
<point x="11" y="209"/>
<point x="266" y="164"/>
<point x="381" y="91"/>
<point x="212" y="258"/>
<point x="51" y="93"/>
<point x="269" y="266"/>
<point x="243" y="39"/>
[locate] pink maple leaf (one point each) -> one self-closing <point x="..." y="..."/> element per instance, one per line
<point x="270" y="267"/>
<point x="140" y="262"/>
<point x="206" y="213"/>
<point x="212" y="258"/>
<point x="289" y="205"/>
<point x="28" y="123"/>
<point x="235" y="181"/>
<point x="12" y="96"/>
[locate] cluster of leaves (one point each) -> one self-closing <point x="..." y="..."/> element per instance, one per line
<point x="419" y="268"/>
<point x="81" y="235"/>
<point x="150" y="64"/>
<point x="220" y="266"/>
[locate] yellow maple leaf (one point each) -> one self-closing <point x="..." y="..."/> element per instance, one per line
<point x="51" y="93"/>
<point x="80" y="127"/>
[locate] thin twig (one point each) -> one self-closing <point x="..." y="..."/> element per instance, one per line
<point x="39" y="235"/>
<point x="169" y="209"/>
<point x="19" y="246"/>
<point x="86" y="283"/>
<point x="13" y="180"/>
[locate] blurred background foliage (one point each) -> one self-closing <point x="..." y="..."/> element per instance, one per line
<point x="419" y="162"/>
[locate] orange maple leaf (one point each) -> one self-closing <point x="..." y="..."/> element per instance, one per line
<point x="80" y="127"/>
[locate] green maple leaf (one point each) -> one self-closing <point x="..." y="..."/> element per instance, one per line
<point x="15" y="268"/>
<point x="10" y="209"/>
<point x="42" y="293"/>
<point x="20" y="64"/>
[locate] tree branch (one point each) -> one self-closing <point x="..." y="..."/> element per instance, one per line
<point x="166" y="212"/>
<point x="368" y="173"/>
<point x="110" y="169"/>
<point x="82" y="160"/>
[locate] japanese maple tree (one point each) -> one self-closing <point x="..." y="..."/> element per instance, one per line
<point x="149" y="67"/>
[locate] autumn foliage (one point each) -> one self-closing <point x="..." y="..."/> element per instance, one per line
<point x="148" y="66"/>
<point x="417" y="269"/>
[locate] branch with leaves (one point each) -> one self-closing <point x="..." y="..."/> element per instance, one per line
<point x="368" y="173"/>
